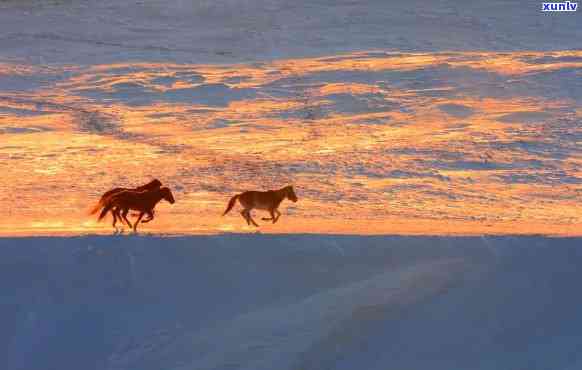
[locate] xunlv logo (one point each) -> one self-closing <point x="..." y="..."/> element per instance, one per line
<point x="559" y="7"/>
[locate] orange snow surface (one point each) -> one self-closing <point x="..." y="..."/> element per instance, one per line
<point x="374" y="143"/>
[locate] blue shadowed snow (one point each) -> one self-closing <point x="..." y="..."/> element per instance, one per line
<point x="290" y="302"/>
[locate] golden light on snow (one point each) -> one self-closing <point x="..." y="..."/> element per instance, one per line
<point x="375" y="142"/>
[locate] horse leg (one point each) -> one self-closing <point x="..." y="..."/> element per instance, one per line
<point x="278" y="214"/>
<point x="272" y="212"/>
<point x="117" y="214"/>
<point x="150" y="215"/>
<point x="137" y="222"/>
<point x="251" y="218"/>
<point x="114" y="219"/>
<point x="244" y="214"/>
<point x="124" y="215"/>
<point x="269" y="219"/>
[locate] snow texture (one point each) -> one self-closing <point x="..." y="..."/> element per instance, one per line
<point x="225" y="31"/>
<point x="290" y="302"/>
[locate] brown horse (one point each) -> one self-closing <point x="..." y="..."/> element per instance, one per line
<point x="154" y="184"/>
<point x="142" y="201"/>
<point x="265" y="200"/>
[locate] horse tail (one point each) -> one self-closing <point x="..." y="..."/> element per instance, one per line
<point x="231" y="204"/>
<point x="97" y="207"/>
<point x="105" y="210"/>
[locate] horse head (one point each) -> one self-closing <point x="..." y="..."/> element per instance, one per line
<point x="291" y="194"/>
<point x="167" y="195"/>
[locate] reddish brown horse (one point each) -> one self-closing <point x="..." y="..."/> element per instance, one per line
<point x="143" y="201"/>
<point x="265" y="200"/>
<point x="154" y="184"/>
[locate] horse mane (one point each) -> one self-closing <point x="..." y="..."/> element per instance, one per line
<point x="288" y="188"/>
<point x="155" y="183"/>
<point x="135" y="191"/>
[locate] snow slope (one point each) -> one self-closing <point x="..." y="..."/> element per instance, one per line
<point x="290" y="302"/>
<point x="226" y="31"/>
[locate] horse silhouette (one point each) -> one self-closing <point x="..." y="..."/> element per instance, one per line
<point x="144" y="201"/>
<point x="154" y="184"/>
<point x="264" y="200"/>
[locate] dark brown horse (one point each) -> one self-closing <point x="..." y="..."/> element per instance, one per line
<point x="154" y="184"/>
<point x="143" y="201"/>
<point x="265" y="200"/>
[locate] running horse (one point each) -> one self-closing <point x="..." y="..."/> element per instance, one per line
<point x="143" y="201"/>
<point x="154" y="184"/>
<point x="264" y="200"/>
